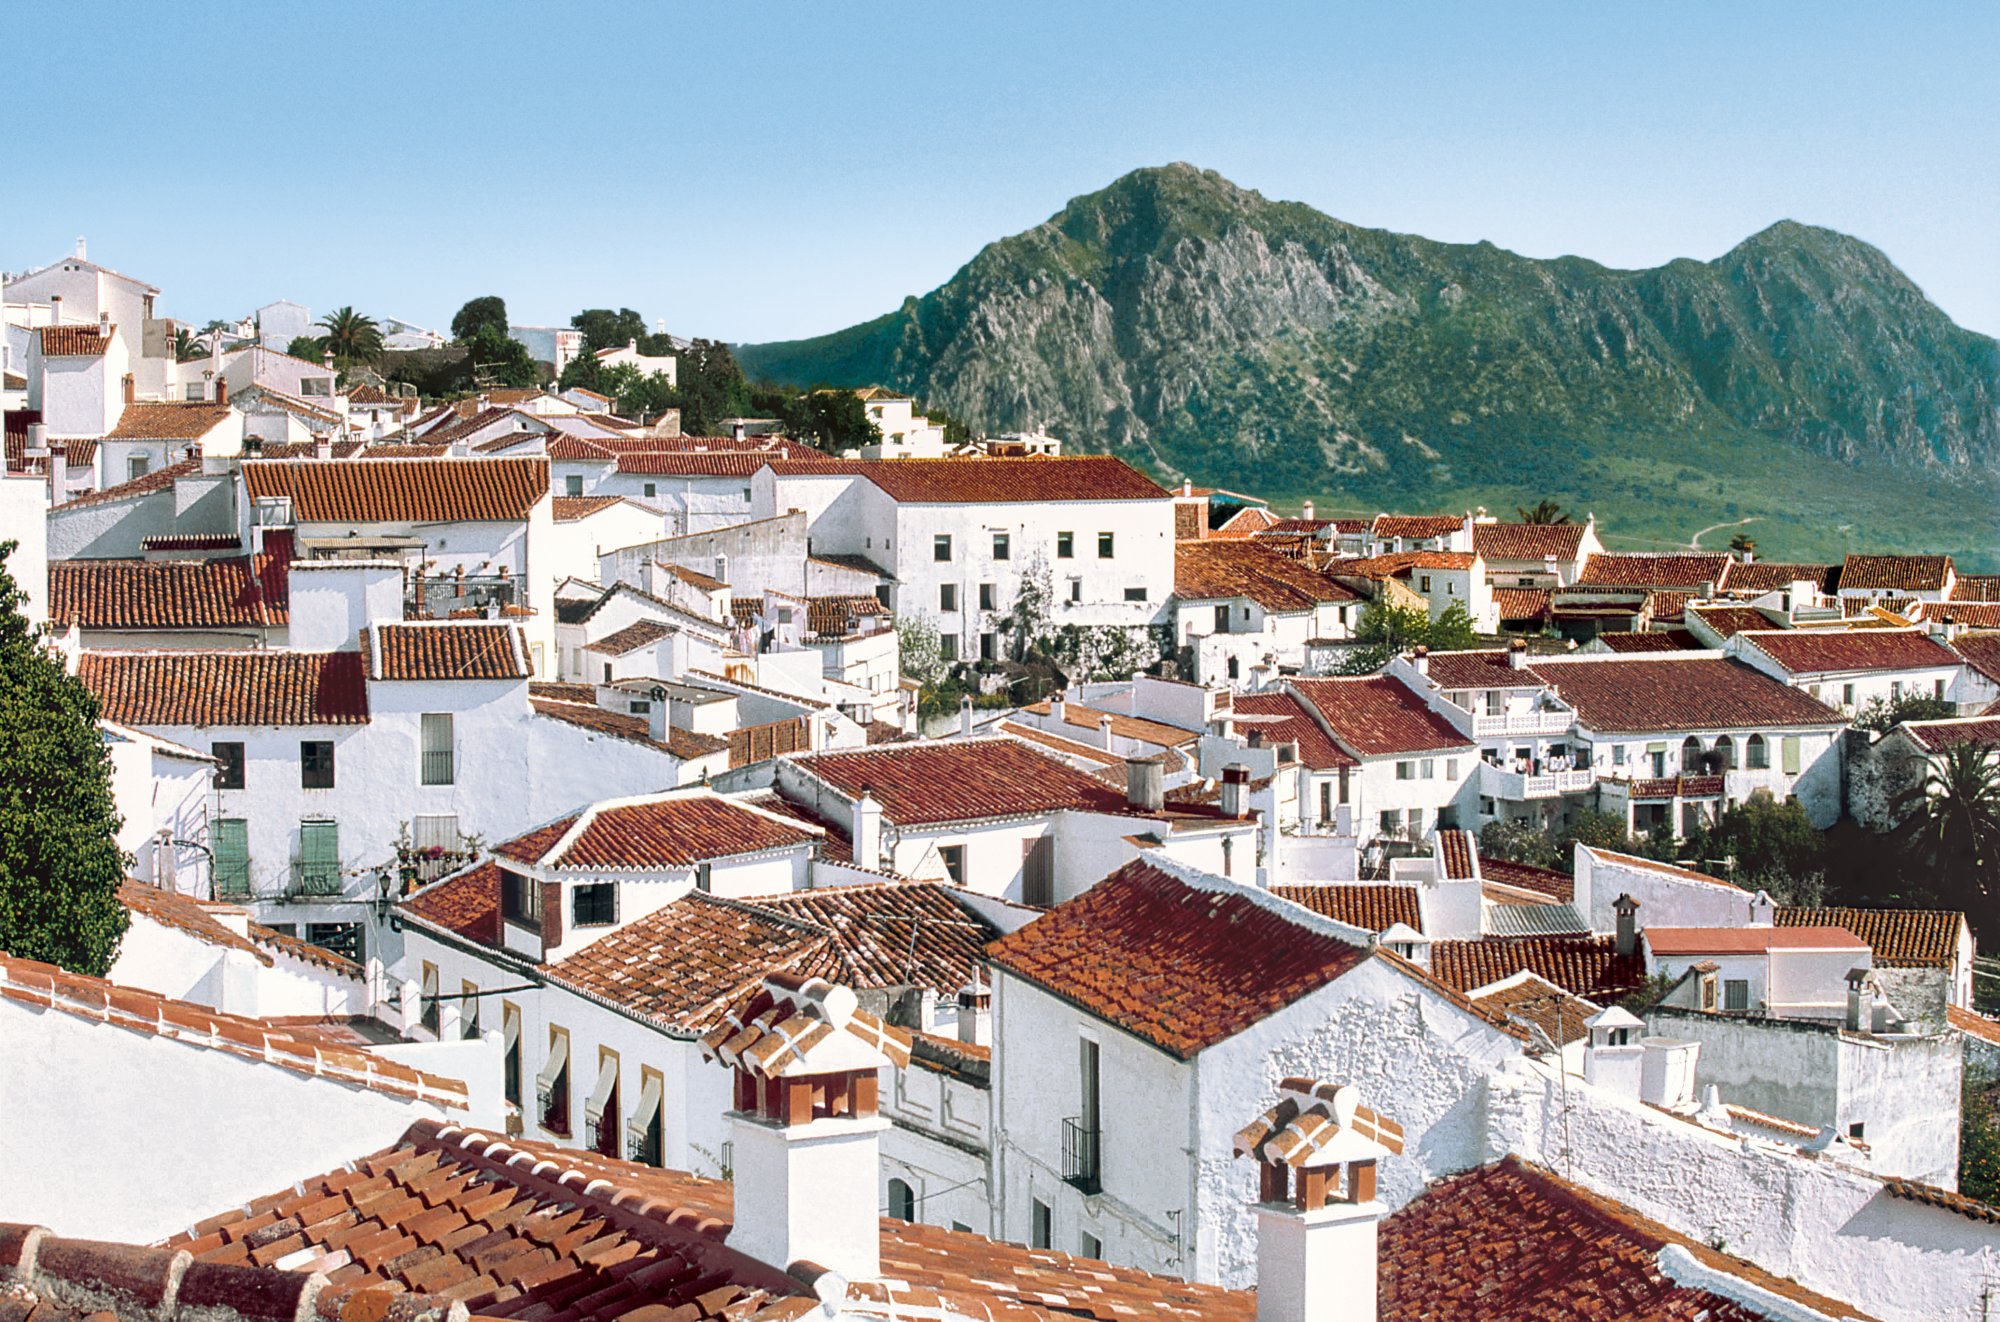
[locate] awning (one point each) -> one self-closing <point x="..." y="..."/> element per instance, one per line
<point x="649" y="1105"/>
<point x="510" y="1028"/>
<point x="558" y="1059"/>
<point x="600" y="1096"/>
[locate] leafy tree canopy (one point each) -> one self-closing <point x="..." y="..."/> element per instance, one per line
<point x="604" y="329"/>
<point x="308" y="347"/>
<point x="1880" y="715"/>
<point x="831" y="419"/>
<point x="1387" y="629"/>
<point x="352" y="337"/>
<point x="498" y="359"/>
<point x="1544" y="511"/>
<point x="489" y="311"/>
<point x="60" y="865"/>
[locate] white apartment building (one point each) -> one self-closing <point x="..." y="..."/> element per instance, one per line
<point x="1244" y="614"/>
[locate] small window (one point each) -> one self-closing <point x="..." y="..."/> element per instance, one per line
<point x="1708" y="993"/>
<point x="1089" y="1246"/>
<point x="1135" y="594"/>
<point x="947" y="597"/>
<point x="1406" y="771"/>
<point x="1424" y="583"/>
<point x="1392" y="822"/>
<point x="1076" y="589"/>
<point x="229" y="842"/>
<point x="315" y="385"/>
<point x="573" y="485"/>
<point x="954" y="862"/>
<point x="1736" y="994"/>
<point x="1106" y="545"/>
<point x="431" y="1016"/>
<point x="902" y="1201"/>
<point x="1002" y="546"/>
<point x="1235" y="668"/>
<point x="510" y="1060"/>
<point x="468" y="1011"/>
<point x="704" y="877"/>
<point x="1937" y="689"/>
<point x="986" y="596"/>
<point x="194" y="392"/>
<point x="1857" y="1130"/>
<point x="1065" y="546"/>
<point x="1429" y="771"/>
<point x="652" y="490"/>
<point x="948" y="646"/>
<point x="229" y="753"/>
<point x="1617" y="755"/>
<point x="1451" y="768"/>
<point x="520" y="900"/>
<point x="137" y="466"/>
<point x="552" y="1085"/>
<point x="437" y="764"/>
<point x="1847" y="695"/>
<point x="607" y="672"/>
<point x="316" y="764"/>
<point x="1756" y="753"/>
<point x="595" y="905"/>
<point x="941" y="546"/>
<point x="1041" y="1230"/>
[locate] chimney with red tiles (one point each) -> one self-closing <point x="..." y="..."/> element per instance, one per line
<point x="1420" y="657"/>
<point x="1317" y="1213"/>
<point x="1517" y="654"/>
<point x="221" y="392"/>
<point x="1236" y="791"/>
<point x="865" y="830"/>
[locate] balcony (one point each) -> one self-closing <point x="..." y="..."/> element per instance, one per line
<point x="1080" y="1156"/>
<point x="1517" y="787"/>
<point x="1527" y="722"/>
<point x="316" y="878"/>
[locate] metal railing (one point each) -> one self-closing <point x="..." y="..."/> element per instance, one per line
<point x="1080" y="1155"/>
<point x="643" y="1145"/>
<point x="230" y="880"/>
<point x="437" y="766"/>
<point x="316" y="878"/>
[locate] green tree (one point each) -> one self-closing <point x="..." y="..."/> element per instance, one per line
<point x="1743" y="544"/>
<point x="1949" y="832"/>
<point x="604" y="329"/>
<point x="635" y="392"/>
<point x="60" y="865"/>
<point x="1387" y="629"/>
<point x="1520" y="842"/>
<point x="1979" y="1135"/>
<point x="186" y="347"/>
<point x="1881" y="715"/>
<point x="712" y="387"/>
<point x="1596" y="830"/>
<point x="831" y="419"/>
<point x="1775" y="846"/>
<point x="498" y="359"/>
<point x="309" y="347"/>
<point x="352" y="337"/>
<point x="482" y="313"/>
<point x="1544" y="511"/>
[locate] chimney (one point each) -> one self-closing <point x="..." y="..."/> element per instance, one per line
<point x="736" y="431"/>
<point x="130" y="388"/>
<point x="323" y="446"/>
<point x="1763" y="910"/>
<point x="1317" y="1213"/>
<point x="865" y="829"/>
<point x="1517" y="654"/>
<point x="1056" y="709"/>
<point x="104" y="325"/>
<point x="1145" y="783"/>
<point x="657" y="710"/>
<point x="1860" y="1001"/>
<point x="1614" y="1057"/>
<point x="326" y="359"/>
<point x="58" y="470"/>
<point x="1306" y="510"/>
<point x="221" y="392"/>
<point x="975" y="1011"/>
<point x="965" y="716"/>
<point x="55" y="309"/>
<point x="1187" y="486"/>
<point x="1627" y="910"/>
<point x="1236" y="791"/>
<point x="82" y="250"/>
<point x="1420" y="657"/>
<point x="1104" y="731"/>
<point x="806" y="1129"/>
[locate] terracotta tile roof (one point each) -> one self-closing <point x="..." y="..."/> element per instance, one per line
<point x="1900" y="938"/>
<point x="992" y="481"/>
<point x="685" y="965"/>
<point x="568" y="509"/>
<point x="1316" y="1124"/>
<point x="1511" y="1242"/>
<point x="1668" y="606"/>
<point x="1981" y="651"/>
<point x="1978" y="1025"/>
<point x="1760" y="576"/>
<point x="73" y="341"/>
<point x="220" y="593"/>
<point x="690" y="463"/>
<point x="184" y="914"/>
<point x="1246" y="522"/>
<point x="684" y="744"/>
<point x="1942" y="1199"/>
<point x="1653" y="640"/>
<point x="1644" y="694"/>
<point x="1624" y="569"/>
<point x="192" y="541"/>
<point x="167" y="422"/>
<point x="794" y="1024"/>
<point x="467" y="903"/>
<point x="1289" y="723"/>
<point x="556" y="691"/>
<point x="675" y="831"/>
<point x="1585" y="965"/>
<point x="1895" y="573"/>
<point x="306" y="952"/>
<point x="893" y="933"/>
<point x="1747" y="940"/>
<point x="160" y="479"/>
<point x="1521" y="603"/>
<point x="1176" y="965"/>
<point x="404" y="491"/>
<point x="1485" y="669"/>
<point x="1377" y="716"/>
<point x="1976" y="588"/>
<point x="838" y="617"/>
<point x="1213" y="570"/>
<point x="1816" y="651"/>
<point x="1300" y="525"/>
<point x="1525" y="876"/>
<point x="444" y="651"/>
<point x="1157" y="733"/>
<point x="922" y="784"/>
<point x="1527" y="541"/>
<point x="1398" y="564"/>
<point x="638" y="634"/>
<point x="227" y="688"/>
<point x="1457" y="852"/>
<point x="1417" y="525"/>
<point x="1940" y="735"/>
<point x="1375" y="907"/>
<point x="1971" y="614"/>
<point x="1728" y="621"/>
<point x="300" y="1050"/>
<point x="967" y="1062"/>
<point x="708" y="582"/>
<point x="1528" y="996"/>
<point x="1678" y="787"/>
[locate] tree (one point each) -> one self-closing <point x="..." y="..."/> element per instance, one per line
<point x="831" y="419"/>
<point x="1950" y="831"/>
<point x="352" y="337"/>
<point x="1544" y="511"/>
<point x="60" y="865"/>
<point x="1596" y="830"/>
<point x="604" y="329"/>
<point x="498" y="359"/>
<point x="1775" y="845"/>
<point x="634" y="392"/>
<point x="1743" y="544"/>
<point x="308" y="347"/>
<point x="1519" y="842"/>
<point x="186" y="347"/>
<point x="489" y="310"/>
<point x="1979" y="1135"/>
<point x="1387" y="629"/>
<point x="712" y="387"/>
<point x="1880" y="715"/>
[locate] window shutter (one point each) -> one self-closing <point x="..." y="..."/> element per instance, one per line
<point x="1791" y="755"/>
<point x="552" y="927"/>
<point x="319" y="857"/>
<point x="229" y="839"/>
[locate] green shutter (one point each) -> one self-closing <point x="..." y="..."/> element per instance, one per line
<point x="319" y="858"/>
<point x="1791" y="755"/>
<point x="229" y="843"/>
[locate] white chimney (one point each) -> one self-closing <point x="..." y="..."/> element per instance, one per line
<point x="1666" y="1077"/>
<point x="1860" y="1001"/>
<point x="1420" y="657"/>
<point x="104" y="325"/>
<point x="1236" y="791"/>
<point x="865" y="830"/>
<point x="975" y="1011"/>
<point x="806" y="1127"/>
<point x="55" y="309"/>
<point x="657" y="709"/>
<point x="1614" y="1058"/>
<point x="1306" y="510"/>
<point x="1517" y="654"/>
<point x="1145" y="783"/>
<point x="1763" y="909"/>
<point x="1056" y="709"/>
<point x="1317" y="1213"/>
<point x="323" y="446"/>
<point x="82" y="249"/>
<point x="1104" y="731"/>
<point x="965" y="716"/>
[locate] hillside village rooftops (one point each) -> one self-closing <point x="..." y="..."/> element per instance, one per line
<point x="1666" y="640"/>
<point x="986" y="481"/>
<point x="632" y="638"/>
<point x="403" y="491"/>
<point x="1748" y="940"/>
<point x="160" y="479"/>
<point x="1369" y="905"/>
<point x="1527" y="541"/>
<point x="1895" y="573"/>
<point x="1900" y="938"/>
<point x="1981" y="651"/>
<point x="1644" y="694"/>
<point x="1376" y="716"/>
<point x="670" y="832"/>
<point x="1937" y="736"/>
<point x="892" y="933"/>
<point x="1224" y="570"/>
<point x="73" y="341"/>
<point x="1831" y="651"/>
<point x="455" y="651"/>
<point x="1417" y="525"/>
<point x="1529" y="997"/>
<point x="1587" y="966"/>
<point x="1397" y="564"/>
<point x="1137" y="728"/>
<point x="216" y="688"/>
<point x="587" y="715"/>
<point x="1521" y="603"/>
<point x="221" y="593"/>
<point x="1487" y="668"/>
<point x="167" y="422"/>
<point x="568" y="509"/>
<point x="188" y="916"/>
<point x="1284" y="720"/>
<point x="1760" y="576"/>
<point x="1620" y="569"/>
<point x="1728" y="621"/>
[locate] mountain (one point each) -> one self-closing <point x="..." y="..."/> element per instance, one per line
<point x="1202" y="330"/>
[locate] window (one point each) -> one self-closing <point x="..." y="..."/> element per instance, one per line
<point x="340" y="938"/>
<point x="595" y="905"/>
<point x="1106" y="545"/>
<point x="1406" y="771"/>
<point x="947" y="597"/>
<point x="194" y="392"/>
<point x="1725" y="753"/>
<point x="1235" y="668"/>
<point x="1847" y="695"/>
<point x="1065" y="546"/>
<point x="1089" y="1246"/>
<point x="646" y="1143"/>
<point x="1076" y="589"/>
<point x="1690" y="755"/>
<point x="1756" y="753"/>
<point x="1346" y="782"/>
<point x="315" y="385"/>
<point x="1736" y="994"/>
<point x="1003" y="548"/>
<point x="1617" y="755"/>
<point x="520" y="900"/>
<point x="652" y="490"/>
<point x="1222" y="619"/>
<point x="573" y="485"/>
<point x="607" y="672"/>
<point x="1708" y="993"/>
<point x="1789" y="749"/>
<point x="1429" y="769"/>
<point x="948" y="646"/>
<point x="1392" y="822"/>
<point x="989" y="646"/>
<point x="1228" y="856"/>
<point x="1326" y="800"/>
<point x="954" y="862"/>
<point x="510" y="1043"/>
<point x="1857" y="1130"/>
<point x="437" y="769"/>
<point x="319" y="858"/>
<point x="1038" y="874"/>
<point x="704" y="877"/>
<point x="468" y="1011"/>
<point x="229" y="842"/>
<point x="229" y="752"/>
<point x="552" y="1085"/>
<point x="1451" y="768"/>
<point x="432" y="1012"/>
<point x="941" y="546"/>
<point x="316" y="764"/>
<point x="1135" y="594"/>
<point x="1041" y="1228"/>
<point x="137" y="466"/>
<point x="1937" y="689"/>
<point x="902" y="1201"/>
<point x="600" y="1109"/>
<point x="1424" y="583"/>
<point x="986" y="596"/>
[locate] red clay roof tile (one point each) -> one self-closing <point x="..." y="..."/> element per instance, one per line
<point x="992" y="481"/>
<point x="227" y="688"/>
<point x="1895" y="573"/>
<point x="459" y="651"/>
<point x="1815" y="651"/>
<point x="1216" y="570"/>
<point x="1376" y="716"/>
<point x="1643" y="694"/>
<point x="1373" y="906"/>
<point x="1620" y="569"/>
<point x="221" y="593"/>
<point x="403" y="491"/>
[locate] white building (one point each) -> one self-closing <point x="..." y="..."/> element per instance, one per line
<point x="1849" y="668"/>
<point x="1244" y="614"/>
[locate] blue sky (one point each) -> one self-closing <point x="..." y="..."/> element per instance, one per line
<point x="773" y="170"/>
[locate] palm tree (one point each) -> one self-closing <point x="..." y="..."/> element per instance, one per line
<point x="186" y="347"/>
<point x="1949" y="828"/>
<point x="1545" y="511"/>
<point x="351" y="337"/>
